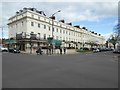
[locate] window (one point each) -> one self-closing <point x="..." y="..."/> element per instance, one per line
<point x="44" y="36"/>
<point x="16" y="25"/>
<point x="32" y="16"/>
<point x="49" y="28"/>
<point x="60" y="31"/>
<point x="53" y="29"/>
<point x="38" y="18"/>
<point x="38" y="25"/>
<point x="44" y="26"/>
<point x="44" y="19"/>
<point x="22" y="23"/>
<point x="57" y="30"/>
<point x="66" y="32"/>
<point x="32" y="23"/>
<point x="39" y="35"/>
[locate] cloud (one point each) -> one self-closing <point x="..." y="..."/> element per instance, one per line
<point x="72" y="12"/>
<point x="107" y="36"/>
<point x="61" y="0"/>
<point x="82" y="11"/>
<point x="115" y="22"/>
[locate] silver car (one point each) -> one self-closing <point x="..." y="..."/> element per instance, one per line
<point x="3" y="49"/>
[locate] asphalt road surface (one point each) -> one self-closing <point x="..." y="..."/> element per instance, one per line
<point x="84" y="70"/>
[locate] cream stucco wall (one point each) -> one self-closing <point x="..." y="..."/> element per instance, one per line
<point x="22" y="23"/>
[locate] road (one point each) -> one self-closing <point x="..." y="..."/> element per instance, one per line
<point x="84" y="70"/>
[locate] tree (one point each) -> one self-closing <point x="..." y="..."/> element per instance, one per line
<point x="113" y="40"/>
<point x="117" y="32"/>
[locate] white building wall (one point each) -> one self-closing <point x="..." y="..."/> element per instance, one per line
<point x="23" y="22"/>
<point x="17" y="27"/>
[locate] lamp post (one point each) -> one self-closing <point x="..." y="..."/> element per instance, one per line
<point x="52" y="28"/>
<point x="31" y="43"/>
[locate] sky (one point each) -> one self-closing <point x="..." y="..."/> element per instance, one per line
<point x="95" y="15"/>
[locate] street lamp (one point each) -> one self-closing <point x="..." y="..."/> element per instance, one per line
<point x="31" y="43"/>
<point x="52" y="27"/>
<point x="52" y="20"/>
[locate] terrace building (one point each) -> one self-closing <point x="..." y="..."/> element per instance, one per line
<point x="32" y="27"/>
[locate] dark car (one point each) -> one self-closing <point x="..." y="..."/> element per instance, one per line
<point x="116" y="51"/>
<point x="84" y="48"/>
<point x="14" y="50"/>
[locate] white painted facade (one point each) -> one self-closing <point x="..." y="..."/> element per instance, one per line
<point x="28" y="21"/>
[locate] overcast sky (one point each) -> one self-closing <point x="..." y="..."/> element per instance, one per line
<point x="100" y="17"/>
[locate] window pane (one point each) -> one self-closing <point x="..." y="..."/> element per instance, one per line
<point x="38" y="25"/>
<point x="49" y="28"/>
<point x="44" y="36"/>
<point x="44" y="26"/>
<point x="32" y="24"/>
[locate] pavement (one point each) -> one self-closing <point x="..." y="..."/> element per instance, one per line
<point x="83" y="70"/>
<point x="68" y="51"/>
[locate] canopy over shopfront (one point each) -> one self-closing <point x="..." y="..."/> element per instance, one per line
<point x="55" y="42"/>
<point x="7" y="41"/>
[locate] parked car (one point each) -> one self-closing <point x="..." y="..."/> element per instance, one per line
<point x="84" y="48"/>
<point x="104" y="49"/>
<point x="14" y="50"/>
<point x="116" y="51"/>
<point x="3" y="49"/>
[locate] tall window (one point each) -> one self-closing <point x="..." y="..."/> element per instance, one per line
<point x="16" y="25"/>
<point x="53" y="29"/>
<point x="39" y="35"/>
<point x="22" y="23"/>
<point x="44" y="36"/>
<point x="44" y="26"/>
<point x="60" y="31"/>
<point x="38" y="25"/>
<point x="38" y="18"/>
<point x="49" y="28"/>
<point x="32" y="23"/>
<point x="66" y="32"/>
<point x="57" y="30"/>
<point x="32" y="16"/>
